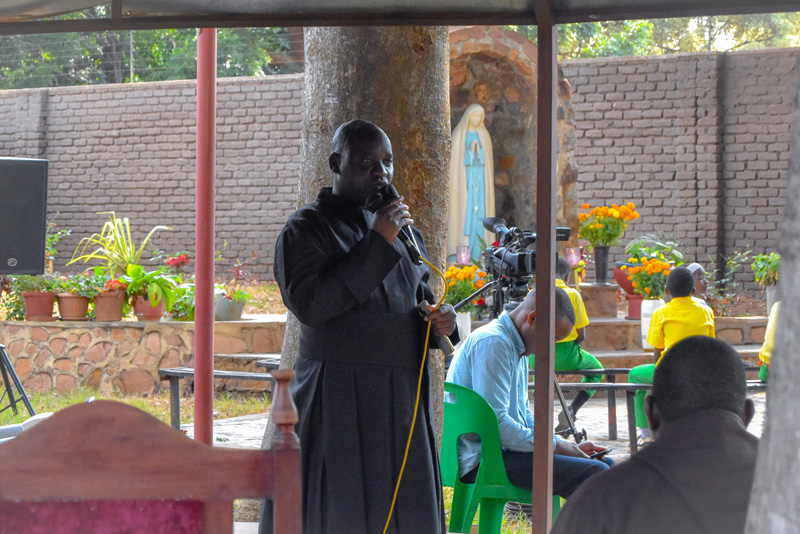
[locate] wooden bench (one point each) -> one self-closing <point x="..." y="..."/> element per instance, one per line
<point x="176" y="374"/>
<point x="630" y="389"/>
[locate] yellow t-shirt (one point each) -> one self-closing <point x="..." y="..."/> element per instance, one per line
<point x="765" y="355"/>
<point x="678" y="319"/>
<point x="581" y="317"/>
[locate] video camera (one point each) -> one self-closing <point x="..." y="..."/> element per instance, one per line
<point x="511" y="263"/>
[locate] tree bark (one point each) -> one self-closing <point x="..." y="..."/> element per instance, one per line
<point x="396" y="77"/>
<point x="776" y="490"/>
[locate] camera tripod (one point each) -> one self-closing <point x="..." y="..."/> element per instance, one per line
<point x="497" y="306"/>
<point x="10" y="375"/>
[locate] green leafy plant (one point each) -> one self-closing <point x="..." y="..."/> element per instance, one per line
<point x="155" y="285"/>
<point x="231" y="290"/>
<point x="53" y="234"/>
<point x="27" y="282"/>
<point x="82" y="285"/>
<point x="722" y="292"/>
<point x="656" y="245"/>
<point x="183" y="309"/>
<point x="114" y="245"/>
<point x="765" y="268"/>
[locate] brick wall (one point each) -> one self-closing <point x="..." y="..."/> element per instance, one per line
<point x="130" y="149"/>
<point x="700" y="142"/>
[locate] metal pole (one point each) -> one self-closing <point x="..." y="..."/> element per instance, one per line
<point x="204" y="240"/>
<point x="545" y="281"/>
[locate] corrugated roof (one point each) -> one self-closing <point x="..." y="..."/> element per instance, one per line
<point x="26" y="16"/>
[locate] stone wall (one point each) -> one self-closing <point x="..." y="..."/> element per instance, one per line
<point x="700" y="142"/>
<point x="123" y="356"/>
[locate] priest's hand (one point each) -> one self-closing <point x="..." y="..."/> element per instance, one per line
<point x="391" y="218"/>
<point x="443" y="320"/>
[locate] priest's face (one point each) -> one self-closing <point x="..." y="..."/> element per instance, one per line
<point x="363" y="165"/>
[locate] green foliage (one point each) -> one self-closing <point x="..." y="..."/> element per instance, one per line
<point x="655" y="245"/>
<point x="83" y="285"/>
<point x="183" y="309"/>
<point x="114" y="245"/>
<point x="53" y="235"/>
<point x="153" y="284"/>
<point x="724" y="288"/>
<point x="766" y="268"/>
<point x="47" y="60"/>
<point x="27" y="282"/>
<point x="670" y="36"/>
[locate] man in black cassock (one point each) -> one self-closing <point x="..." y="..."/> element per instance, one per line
<point x="355" y="289"/>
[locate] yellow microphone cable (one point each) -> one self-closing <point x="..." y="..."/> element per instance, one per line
<point x="416" y="403"/>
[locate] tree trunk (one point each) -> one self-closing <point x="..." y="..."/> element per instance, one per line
<point x="776" y="491"/>
<point x="396" y="77"/>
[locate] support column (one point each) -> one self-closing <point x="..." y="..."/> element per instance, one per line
<point x="204" y="239"/>
<point x="545" y="282"/>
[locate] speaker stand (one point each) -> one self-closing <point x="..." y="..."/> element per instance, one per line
<point x="9" y="376"/>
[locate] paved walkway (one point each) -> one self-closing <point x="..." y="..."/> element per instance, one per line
<point x="247" y="431"/>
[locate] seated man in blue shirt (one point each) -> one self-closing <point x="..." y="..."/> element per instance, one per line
<point x="493" y="361"/>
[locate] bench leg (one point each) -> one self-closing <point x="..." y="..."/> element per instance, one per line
<point x="630" y="395"/>
<point x="612" y="410"/>
<point x="175" y="402"/>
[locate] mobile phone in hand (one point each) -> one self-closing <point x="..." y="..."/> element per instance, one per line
<point x="599" y="454"/>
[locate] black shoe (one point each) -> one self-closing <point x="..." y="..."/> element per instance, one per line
<point x="563" y="423"/>
<point x="512" y="510"/>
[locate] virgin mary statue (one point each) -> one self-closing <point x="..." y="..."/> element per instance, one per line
<point x="471" y="184"/>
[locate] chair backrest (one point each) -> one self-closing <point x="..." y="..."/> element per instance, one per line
<point x="466" y="412"/>
<point x="126" y="471"/>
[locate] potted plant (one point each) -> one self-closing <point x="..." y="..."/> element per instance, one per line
<point x="38" y="294"/>
<point x="648" y="277"/>
<point x="461" y="283"/>
<point x="73" y="296"/>
<point x="602" y="227"/>
<point x="151" y="293"/>
<point x="648" y="246"/>
<point x="110" y="303"/>
<point x="766" y="268"/>
<point x="114" y="246"/>
<point x="230" y="299"/>
<point x="183" y="309"/>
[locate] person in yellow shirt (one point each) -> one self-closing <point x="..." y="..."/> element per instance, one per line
<point x="680" y="318"/>
<point x="765" y="354"/>
<point x="569" y="354"/>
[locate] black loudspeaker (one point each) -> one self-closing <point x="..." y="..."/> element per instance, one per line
<point x="23" y="213"/>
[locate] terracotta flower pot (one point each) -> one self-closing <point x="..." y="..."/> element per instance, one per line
<point x="621" y="277"/>
<point x="108" y="305"/>
<point x="145" y="311"/>
<point x="39" y="305"/>
<point x="73" y="307"/>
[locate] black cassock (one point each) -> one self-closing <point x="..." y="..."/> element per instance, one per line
<point x="361" y="345"/>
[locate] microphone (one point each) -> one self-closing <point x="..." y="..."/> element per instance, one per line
<point x="406" y="236"/>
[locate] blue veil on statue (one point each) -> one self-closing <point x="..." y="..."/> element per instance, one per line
<point x="471" y="185"/>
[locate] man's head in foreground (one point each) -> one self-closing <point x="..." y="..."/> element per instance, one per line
<point x="698" y="373"/>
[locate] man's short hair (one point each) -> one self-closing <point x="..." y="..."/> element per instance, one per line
<point x="696" y="374"/>
<point x="680" y="282"/>
<point x="562" y="268"/>
<point x="563" y="305"/>
<point x="696" y="268"/>
<point x="351" y="130"/>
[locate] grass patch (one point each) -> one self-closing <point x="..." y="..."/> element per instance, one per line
<point x="226" y="404"/>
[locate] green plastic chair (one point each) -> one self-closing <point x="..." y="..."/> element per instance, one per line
<point x="466" y="412"/>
